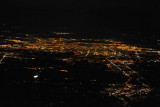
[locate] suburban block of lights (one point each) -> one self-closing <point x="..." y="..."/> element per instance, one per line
<point x="114" y="55"/>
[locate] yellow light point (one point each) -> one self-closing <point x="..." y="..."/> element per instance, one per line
<point x="123" y="93"/>
<point x="64" y="70"/>
<point x="17" y="41"/>
<point x="158" y="52"/>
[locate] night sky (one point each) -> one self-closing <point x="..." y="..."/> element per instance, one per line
<point x="82" y="14"/>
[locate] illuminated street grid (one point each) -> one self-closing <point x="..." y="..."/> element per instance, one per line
<point x="115" y="55"/>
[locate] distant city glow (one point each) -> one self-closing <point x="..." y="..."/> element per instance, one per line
<point x="116" y="56"/>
